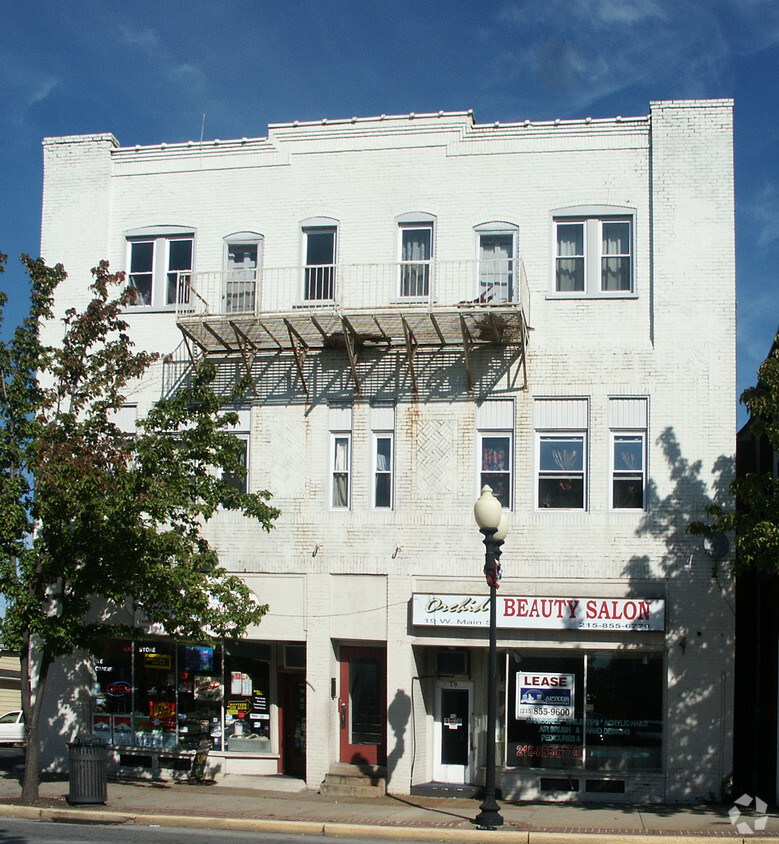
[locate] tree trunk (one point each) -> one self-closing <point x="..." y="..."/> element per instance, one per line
<point x="32" y="714"/>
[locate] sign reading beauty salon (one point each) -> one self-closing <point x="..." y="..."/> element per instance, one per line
<point x="522" y="612"/>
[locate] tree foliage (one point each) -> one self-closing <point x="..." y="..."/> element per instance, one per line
<point x="755" y="520"/>
<point x="101" y="526"/>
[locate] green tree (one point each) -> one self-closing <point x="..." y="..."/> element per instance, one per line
<point x="98" y="524"/>
<point x="755" y="520"/>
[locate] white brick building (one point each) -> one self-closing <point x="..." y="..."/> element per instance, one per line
<point x="425" y="304"/>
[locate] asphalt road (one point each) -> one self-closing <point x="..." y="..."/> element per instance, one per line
<point x="37" y="832"/>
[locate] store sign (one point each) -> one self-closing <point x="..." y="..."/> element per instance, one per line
<point x="524" y="612"/>
<point x="546" y="697"/>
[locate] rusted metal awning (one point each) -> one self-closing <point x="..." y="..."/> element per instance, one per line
<point x="411" y="329"/>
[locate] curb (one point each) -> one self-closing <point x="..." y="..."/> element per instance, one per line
<point x="353" y="830"/>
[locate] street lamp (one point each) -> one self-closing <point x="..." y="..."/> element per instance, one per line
<point x="494" y="524"/>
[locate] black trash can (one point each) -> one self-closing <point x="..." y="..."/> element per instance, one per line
<point x="88" y="760"/>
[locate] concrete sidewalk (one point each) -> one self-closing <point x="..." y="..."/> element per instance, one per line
<point x="277" y="804"/>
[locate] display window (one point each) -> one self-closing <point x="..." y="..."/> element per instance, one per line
<point x="247" y="697"/>
<point x="597" y="711"/>
<point x="157" y="693"/>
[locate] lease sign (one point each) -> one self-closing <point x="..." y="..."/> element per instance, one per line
<point x="542" y="696"/>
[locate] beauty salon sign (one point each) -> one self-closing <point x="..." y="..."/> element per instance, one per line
<point x="539" y="613"/>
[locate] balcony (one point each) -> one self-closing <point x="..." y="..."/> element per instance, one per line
<point x="410" y="305"/>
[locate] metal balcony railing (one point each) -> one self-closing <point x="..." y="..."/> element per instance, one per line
<point x="271" y="290"/>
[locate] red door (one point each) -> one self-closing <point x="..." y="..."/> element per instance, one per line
<point x="362" y="706"/>
<point x="292" y="700"/>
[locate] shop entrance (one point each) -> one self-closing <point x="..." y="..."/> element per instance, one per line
<point x="453" y="756"/>
<point x="292" y="702"/>
<point x="362" y="705"/>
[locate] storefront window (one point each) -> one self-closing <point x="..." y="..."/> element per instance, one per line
<point x="247" y="699"/>
<point x="624" y="712"/>
<point x="546" y="697"/>
<point x="602" y="712"/>
<point x="159" y="694"/>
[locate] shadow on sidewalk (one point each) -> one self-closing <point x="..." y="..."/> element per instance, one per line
<point x="433" y="809"/>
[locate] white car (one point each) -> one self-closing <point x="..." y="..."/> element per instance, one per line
<point x="12" y="728"/>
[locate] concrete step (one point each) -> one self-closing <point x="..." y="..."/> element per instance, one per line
<point x="355" y="781"/>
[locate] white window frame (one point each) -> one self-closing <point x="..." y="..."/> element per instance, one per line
<point x="415" y="224"/>
<point x="245" y="485"/>
<point x="241" y="288"/>
<point x="504" y="230"/>
<point x="502" y="433"/>
<point x="335" y="437"/>
<point x="495" y="419"/>
<point x="318" y="226"/>
<point x="390" y="471"/>
<point x="615" y="473"/>
<point x="161" y="239"/>
<point x="547" y="474"/>
<point x="592" y="219"/>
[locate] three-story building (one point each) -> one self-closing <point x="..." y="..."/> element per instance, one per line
<point x="425" y="305"/>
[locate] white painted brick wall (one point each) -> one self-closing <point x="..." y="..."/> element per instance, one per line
<point x="673" y="343"/>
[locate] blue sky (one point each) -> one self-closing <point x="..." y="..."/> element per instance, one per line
<point x="148" y="71"/>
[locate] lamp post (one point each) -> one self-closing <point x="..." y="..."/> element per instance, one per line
<point x="493" y="523"/>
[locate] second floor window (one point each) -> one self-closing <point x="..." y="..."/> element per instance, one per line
<point x="561" y="471"/>
<point x="341" y="470"/>
<point x="319" y="274"/>
<point x="383" y="458"/>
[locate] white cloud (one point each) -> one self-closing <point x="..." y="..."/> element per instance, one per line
<point x="43" y="89"/>
<point x="577" y="53"/>
<point x="146" y="39"/>
<point x="24" y="85"/>
<point x="763" y="212"/>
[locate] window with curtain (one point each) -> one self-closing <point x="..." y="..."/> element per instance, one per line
<point x="496" y="267"/>
<point x="570" y="257"/>
<point x="615" y="255"/>
<point x="340" y="470"/>
<point x="594" y="255"/>
<point x="416" y="252"/>
<point x="383" y="453"/>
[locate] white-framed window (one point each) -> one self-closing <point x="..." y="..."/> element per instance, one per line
<point x="383" y="435"/>
<point x="159" y="267"/>
<point x="561" y="470"/>
<point x="593" y="253"/>
<point x="241" y="430"/>
<point x="242" y="262"/>
<point x="340" y="457"/>
<point x="383" y="454"/>
<point x="340" y="452"/>
<point x="319" y="257"/>
<point x="628" y="435"/>
<point x="415" y="245"/>
<point x="561" y="453"/>
<point x="628" y="482"/>
<point x="237" y="479"/>
<point x="497" y="251"/>
<point x="495" y="427"/>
